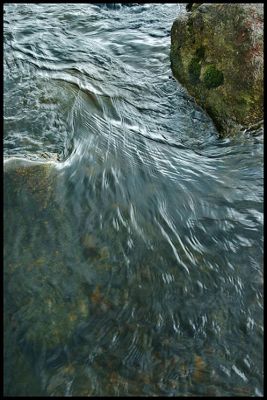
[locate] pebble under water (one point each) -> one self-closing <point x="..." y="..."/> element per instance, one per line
<point x="133" y="233"/>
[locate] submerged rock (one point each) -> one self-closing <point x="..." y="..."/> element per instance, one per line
<point x="217" y="54"/>
<point x="46" y="304"/>
<point x="34" y="179"/>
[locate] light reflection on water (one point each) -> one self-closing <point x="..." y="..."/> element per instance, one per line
<point x="133" y="234"/>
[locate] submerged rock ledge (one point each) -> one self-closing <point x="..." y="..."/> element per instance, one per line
<point x="217" y="55"/>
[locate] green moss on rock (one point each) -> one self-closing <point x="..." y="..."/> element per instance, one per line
<point x="194" y="69"/>
<point x="200" y="52"/>
<point x="221" y="46"/>
<point x="213" y="77"/>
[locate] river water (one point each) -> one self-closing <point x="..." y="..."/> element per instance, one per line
<point x="133" y="233"/>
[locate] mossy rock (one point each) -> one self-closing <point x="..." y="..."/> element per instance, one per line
<point x="200" y="52"/>
<point x="217" y="54"/>
<point x="213" y="77"/>
<point x="194" y="69"/>
<point x="192" y="6"/>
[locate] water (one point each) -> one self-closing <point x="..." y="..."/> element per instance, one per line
<point x="133" y="234"/>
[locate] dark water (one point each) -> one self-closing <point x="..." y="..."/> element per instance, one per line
<point x="133" y="234"/>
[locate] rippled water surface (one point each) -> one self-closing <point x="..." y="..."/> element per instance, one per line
<point x="133" y="242"/>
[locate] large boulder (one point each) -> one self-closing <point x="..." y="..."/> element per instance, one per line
<point x="217" y="54"/>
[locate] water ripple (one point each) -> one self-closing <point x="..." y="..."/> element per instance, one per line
<point x="133" y="233"/>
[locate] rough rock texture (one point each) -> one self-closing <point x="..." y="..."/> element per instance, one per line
<point x="217" y="54"/>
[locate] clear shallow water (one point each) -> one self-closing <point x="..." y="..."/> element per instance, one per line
<point x="133" y="240"/>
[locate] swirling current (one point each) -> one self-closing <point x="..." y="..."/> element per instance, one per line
<point x="133" y="233"/>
